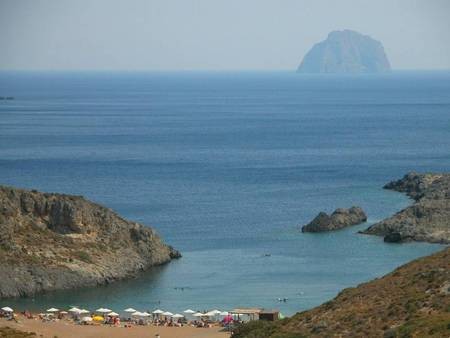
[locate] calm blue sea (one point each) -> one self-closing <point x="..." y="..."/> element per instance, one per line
<point x="226" y="166"/>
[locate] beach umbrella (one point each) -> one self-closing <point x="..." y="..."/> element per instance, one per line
<point x="167" y="313"/>
<point x="137" y="313"/>
<point x="64" y="312"/>
<point x="7" y="309"/>
<point x="198" y="314"/>
<point x="130" y="310"/>
<point x="86" y="319"/>
<point x="102" y="310"/>
<point x="189" y="311"/>
<point x="145" y="314"/>
<point x="84" y="311"/>
<point x="158" y="312"/>
<point x="74" y="309"/>
<point x="177" y="315"/>
<point x="113" y="314"/>
<point x="52" y="310"/>
<point x="210" y="314"/>
<point x="98" y="318"/>
<point x="224" y="313"/>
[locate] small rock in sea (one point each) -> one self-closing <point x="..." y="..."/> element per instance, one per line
<point x="339" y="219"/>
<point x="393" y="237"/>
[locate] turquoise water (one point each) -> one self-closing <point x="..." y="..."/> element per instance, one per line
<point x="226" y="166"/>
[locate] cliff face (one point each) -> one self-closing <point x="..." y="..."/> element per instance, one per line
<point x="411" y="301"/>
<point x="54" y="241"/>
<point x="428" y="219"/>
<point x="339" y="219"/>
<point x="346" y="52"/>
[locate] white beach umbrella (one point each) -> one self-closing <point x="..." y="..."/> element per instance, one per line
<point x="158" y="312"/>
<point x="224" y="313"/>
<point x="74" y="309"/>
<point x="137" y="314"/>
<point x="210" y="313"/>
<point x="84" y="311"/>
<point x="86" y="319"/>
<point x="189" y="311"/>
<point x="102" y="310"/>
<point x="177" y="315"/>
<point x="198" y="314"/>
<point x="167" y="313"/>
<point x="113" y="314"/>
<point x="145" y="314"/>
<point x="7" y="309"/>
<point x="52" y="309"/>
<point x="64" y="312"/>
<point x="130" y="309"/>
<point x="216" y="311"/>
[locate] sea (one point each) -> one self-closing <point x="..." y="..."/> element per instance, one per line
<point x="227" y="166"/>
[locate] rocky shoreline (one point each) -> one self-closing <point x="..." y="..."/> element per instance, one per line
<point x="55" y="241"/>
<point x="427" y="219"/>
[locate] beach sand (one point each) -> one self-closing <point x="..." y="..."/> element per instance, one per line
<point x="67" y="329"/>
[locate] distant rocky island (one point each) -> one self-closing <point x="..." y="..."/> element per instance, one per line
<point x="346" y="51"/>
<point x="428" y="219"/>
<point x="53" y="241"/>
<point x="339" y="219"/>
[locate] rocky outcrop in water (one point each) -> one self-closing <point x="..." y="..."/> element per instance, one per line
<point x="428" y="219"/>
<point x="346" y="52"/>
<point x="55" y="241"/>
<point x="339" y="219"/>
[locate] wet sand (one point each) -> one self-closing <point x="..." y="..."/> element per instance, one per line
<point x="67" y="329"/>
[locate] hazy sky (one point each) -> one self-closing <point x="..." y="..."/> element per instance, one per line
<point x="212" y="34"/>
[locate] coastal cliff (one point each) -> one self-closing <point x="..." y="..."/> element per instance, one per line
<point x="346" y="51"/>
<point x="339" y="219"/>
<point x="411" y="301"/>
<point x="428" y="219"/>
<point x="54" y="241"/>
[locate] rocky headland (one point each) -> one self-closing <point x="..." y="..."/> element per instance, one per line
<point x="427" y="219"/>
<point x="339" y="219"/>
<point x="346" y="51"/>
<point x="54" y="241"/>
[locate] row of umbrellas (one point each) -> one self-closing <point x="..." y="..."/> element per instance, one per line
<point x="134" y="312"/>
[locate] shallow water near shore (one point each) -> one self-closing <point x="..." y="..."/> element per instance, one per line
<point x="226" y="166"/>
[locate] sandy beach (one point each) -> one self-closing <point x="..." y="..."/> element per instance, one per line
<point x="67" y="329"/>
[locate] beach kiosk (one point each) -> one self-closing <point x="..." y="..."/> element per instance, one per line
<point x="249" y="313"/>
<point x="269" y="315"/>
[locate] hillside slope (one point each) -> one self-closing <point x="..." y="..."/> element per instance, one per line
<point x="411" y="301"/>
<point x="55" y="241"/>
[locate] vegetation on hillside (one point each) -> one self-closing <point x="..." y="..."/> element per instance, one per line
<point x="412" y="301"/>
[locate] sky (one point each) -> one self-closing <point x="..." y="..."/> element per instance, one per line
<point x="212" y="34"/>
